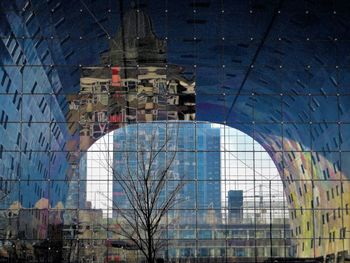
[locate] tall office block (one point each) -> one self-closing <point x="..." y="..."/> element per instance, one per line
<point x="200" y="169"/>
<point x="235" y="205"/>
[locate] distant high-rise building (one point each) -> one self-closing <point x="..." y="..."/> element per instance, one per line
<point x="197" y="161"/>
<point x="235" y="205"/>
<point x="208" y="169"/>
<point x="76" y="194"/>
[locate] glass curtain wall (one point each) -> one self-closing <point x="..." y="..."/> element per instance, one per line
<point x="232" y="201"/>
<point x="84" y="78"/>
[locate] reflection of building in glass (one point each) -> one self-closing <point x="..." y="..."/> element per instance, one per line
<point x="133" y="83"/>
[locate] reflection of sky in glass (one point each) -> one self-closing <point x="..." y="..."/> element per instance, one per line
<point x="245" y="165"/>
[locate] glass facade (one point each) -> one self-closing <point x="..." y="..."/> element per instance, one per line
<point x="270" y="179"/>
<point x="204" y="166"/>
<point x="222" y="206"/>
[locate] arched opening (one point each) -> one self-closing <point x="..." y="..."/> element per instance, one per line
<point x="233" y="200"/>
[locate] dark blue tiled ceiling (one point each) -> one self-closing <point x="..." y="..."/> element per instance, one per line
<point x="231" y="47"/>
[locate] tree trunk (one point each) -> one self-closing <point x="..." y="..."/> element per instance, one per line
<point x="150" y="253"/>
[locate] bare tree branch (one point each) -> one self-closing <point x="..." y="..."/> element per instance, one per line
<point x="149" y="189"/>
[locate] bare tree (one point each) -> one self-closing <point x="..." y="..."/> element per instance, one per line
<point x="149" y="190"/>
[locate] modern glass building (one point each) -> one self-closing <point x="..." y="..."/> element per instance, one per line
<point x="72" y="72"/>
<point x="203" y="167"/>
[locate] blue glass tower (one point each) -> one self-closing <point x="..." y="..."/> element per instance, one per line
<point x="197" y="161"/>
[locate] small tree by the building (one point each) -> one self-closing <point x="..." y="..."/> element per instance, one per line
<point x="149" y="190"/>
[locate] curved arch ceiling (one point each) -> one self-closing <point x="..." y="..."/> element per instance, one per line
<point x="277" y="70"/>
